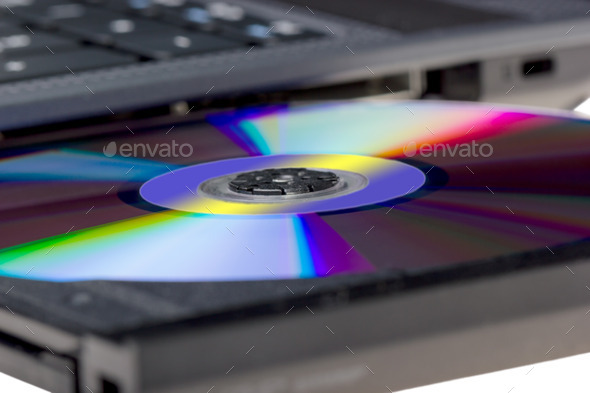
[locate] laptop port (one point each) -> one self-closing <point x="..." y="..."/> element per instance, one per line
<point x="537" y="67"/>
<point x="109" y="386"/>
<point x="458" y="82"/>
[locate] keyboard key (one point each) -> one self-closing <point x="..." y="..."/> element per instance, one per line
<point x="42" y="10"/>
<point x="31" y="66"/>
<point x="175" y="43"/>
<point x="105" y="29"/>
<point x="192" y="15"/>
<point x="148" y="8"/>
<point x="141" y="7"/>
<point x="85" y="19"/>
<point x="14" y="4"/>
<point x="6" y="26"/>
<point x="144" y="7"/>
<point x="17" y="40"/>
<point x="235" y="20"/>
<point x="169" y="3"/>
<point x="98" y="25"/>
<point x="227" y="12"/>
<point x="52" y="12"/>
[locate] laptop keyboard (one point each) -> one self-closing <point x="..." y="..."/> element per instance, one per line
<point x="40" y="38"/>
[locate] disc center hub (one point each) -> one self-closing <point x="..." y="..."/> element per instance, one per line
<point x="283" y="181"/>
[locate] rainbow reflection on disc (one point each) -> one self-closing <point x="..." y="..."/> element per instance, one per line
<point x="385" y="180"/>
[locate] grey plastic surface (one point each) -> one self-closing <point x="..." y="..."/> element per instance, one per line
<point x="349" y="51"/>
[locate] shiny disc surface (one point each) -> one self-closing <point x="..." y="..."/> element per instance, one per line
<point x="446" y="184"/>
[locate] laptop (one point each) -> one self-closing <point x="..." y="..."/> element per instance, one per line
<point x="79" y="81"/>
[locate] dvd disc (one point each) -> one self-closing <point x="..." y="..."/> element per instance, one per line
<point x="300" y="191"/>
